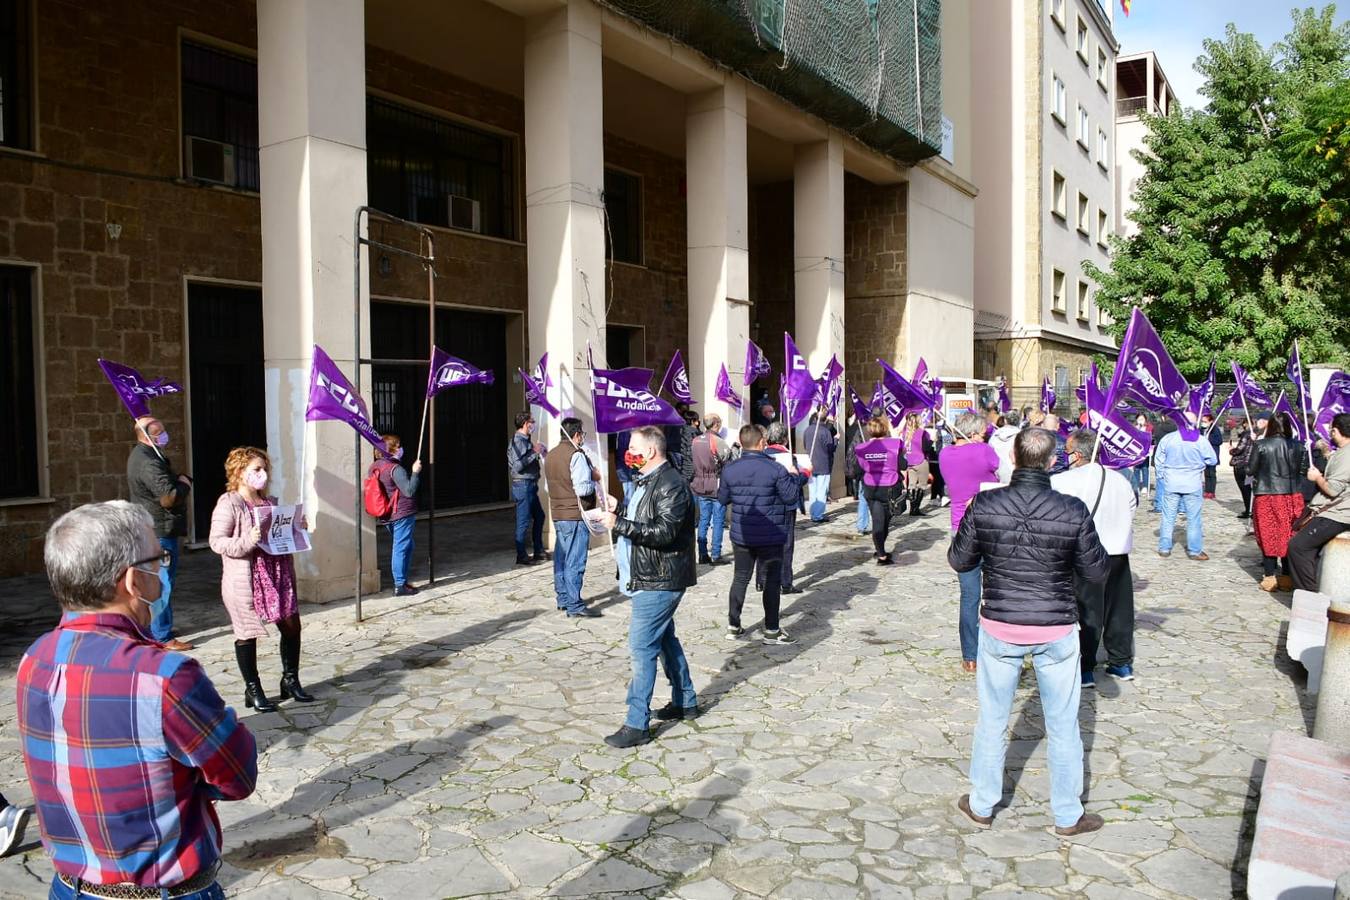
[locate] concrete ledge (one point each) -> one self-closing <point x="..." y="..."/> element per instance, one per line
<point x="1334" y="578"/>
<point x="1307" y="636"/>
<point x="1302" y="844"/>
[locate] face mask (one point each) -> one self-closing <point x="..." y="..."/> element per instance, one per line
<point x="529" y="428"/>
<point x="162" y="439"/>
<point x="256" y="480"/>
<point x="634" y="460"/>
<point x="398" y="454"/>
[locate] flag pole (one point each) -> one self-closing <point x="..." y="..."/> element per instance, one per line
<point x="426" y="404"/>
<point x="1097" y="438"/>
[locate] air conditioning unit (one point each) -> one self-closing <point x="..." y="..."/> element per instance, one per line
<point x="211" y="161"/>
<point x="464" y="213"/>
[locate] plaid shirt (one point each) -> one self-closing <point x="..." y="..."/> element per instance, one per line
<point x="126" y="746"/>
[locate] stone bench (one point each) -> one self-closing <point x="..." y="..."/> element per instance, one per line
<point x="1302" y="842"/>
<point x="1307" y="635"/>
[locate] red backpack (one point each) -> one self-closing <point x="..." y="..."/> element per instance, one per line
<point x="378" y="503"/>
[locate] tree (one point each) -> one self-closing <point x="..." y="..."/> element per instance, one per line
<point x="1244" y="208"/>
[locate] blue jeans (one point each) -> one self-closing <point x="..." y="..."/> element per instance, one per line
<point x="710" y="512"/>
<point x="1139" y="477"/>
<point x="1158" y="490"/>
<point x="972" y="583"/>
<point x="1059" y="682"/>
<point x="161" y="612"/>
<point x="60" y="891"/>
<point x="864" y="513"/>
<point x="571" y="541"/>
<point x="529" y="512"/>
<point x="651" y="633"/>
<point x="400" y="557"/>
<point x="820" y="496"/>
<point x="1191" y="504"/>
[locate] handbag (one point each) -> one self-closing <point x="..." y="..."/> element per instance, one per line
<point x="1310" y="512"/>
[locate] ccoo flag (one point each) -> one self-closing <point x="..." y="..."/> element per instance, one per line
<point x="799" y="388"/>
<point x="1145" y="373"/>
<point x="899" y="396"/>
<point x="724" y="391"/>
<point x="624" y="400"/>
<point x="1249" y="391"/>
<point x="331" y="396"/>
<point x="1048" y="397"/>
<point x="1282" y="405"/>
<point x="448" y="371"/>
<point x="535" y="394"/>
<point x="1004" y="401"/>
<point x="756" y="363"/>
<point x="1120" y="444"/>
<point x="1201" y="395"/>
<point x="677" y="380"/>
<point x="860" y="409"/>
<point x="133" y="389"/>
<point x="1335" y="400"/>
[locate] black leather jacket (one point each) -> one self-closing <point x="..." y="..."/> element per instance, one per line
<point x="1278" y="466"/>
<point x="662" y="531"/>
<point x="1032" y="541"/>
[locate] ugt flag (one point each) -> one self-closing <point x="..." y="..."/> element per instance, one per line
<point x="1146" y="373"/>
<point x="448" y="371"/>
<point x="535" y="394"/>
<point x="1248" y="390"/>
<point x="1120" y="444"/>
<point x="756" y="364"/>
<point x="677" y="380"/>
<point x="724" y="391"/>
<point x="623" y="400"/>
<point x="1335" y="400"/>
<point x="1300" y="426"/>
<point x="331" y="396"/>
<point x="799" y="388"/>
<point x="133" y="389"/>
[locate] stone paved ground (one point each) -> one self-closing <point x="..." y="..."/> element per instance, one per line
<point x="457" y="749"/>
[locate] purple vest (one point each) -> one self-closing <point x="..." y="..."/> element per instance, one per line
<point x="880" y="461"/>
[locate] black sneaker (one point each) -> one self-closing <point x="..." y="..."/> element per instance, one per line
<point x="526" y="560"/>
<point x="543" y="556"/>
<point x="779" y="638"/>
<point x="671" y="712"/>
<point x="584" y="613"/>
<point x="716" y="561"/>
<point x="406" y="590"/>
<point x="627" y="737"/>
<point x="704" y="559"/>
<point x="790" y="590"/>
<point x="734" y="632"/>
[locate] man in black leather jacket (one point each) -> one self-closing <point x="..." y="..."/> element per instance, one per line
<point x="1032" y="542"/>
<point x="657" y="531"/>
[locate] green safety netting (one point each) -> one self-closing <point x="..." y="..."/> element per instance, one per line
<point x="853" y="63"/>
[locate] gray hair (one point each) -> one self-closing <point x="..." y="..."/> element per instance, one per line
<point x="89" y="548"/>
<point x="778" y="433"/>
<point x="1082" y="441"/>
<point x="1033" y="448"/>
<point x="654" y="436"/>
<point x="712" y="421"/>
<point x="1012" y="417"/>
<point x="970" y="425"/>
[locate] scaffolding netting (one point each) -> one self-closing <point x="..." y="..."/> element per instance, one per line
<point x="871" y="68"/>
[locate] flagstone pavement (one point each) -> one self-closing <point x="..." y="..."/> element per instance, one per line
<point x="457" y="746"/>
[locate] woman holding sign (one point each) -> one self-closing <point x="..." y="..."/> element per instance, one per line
<point x="882" y="459"/>
<point x="256" y="585"/>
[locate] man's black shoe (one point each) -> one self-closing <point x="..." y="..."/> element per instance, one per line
<point x="584" y="613"/>
<point x="790" y="590"/>
<point x="671" y="712"/>
<point x="627" y="737"/>
<point x="704" y="559"/>
<point x="543" y="556"/>
<point x="716" y="561"/>
<point x="526" y="560"/>
<point x="406" y="590"/>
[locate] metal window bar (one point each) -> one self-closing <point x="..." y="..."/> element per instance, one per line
<point x="426" y="253"/>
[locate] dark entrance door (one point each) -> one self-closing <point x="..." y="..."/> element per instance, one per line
<point x="229" y="403"/>
<point x="471" y="432"/>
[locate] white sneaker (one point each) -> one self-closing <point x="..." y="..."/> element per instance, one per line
<point x="778" y="638"/>
<point x="12" y="821"/>
<point x="734" y="632"/>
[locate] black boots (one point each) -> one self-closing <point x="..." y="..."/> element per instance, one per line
<point x="246" y="654"/>
<point x="290" y="671"/>
<point x="915" y="501"/>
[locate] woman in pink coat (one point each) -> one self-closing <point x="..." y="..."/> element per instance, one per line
<point x="256" y="587"/>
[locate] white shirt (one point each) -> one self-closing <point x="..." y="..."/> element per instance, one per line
<point x="1115" y="513"/>
<point x="1002" y="442"/>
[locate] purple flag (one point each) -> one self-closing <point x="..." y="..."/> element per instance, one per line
<point x="899" y="396"/>
<point x="1004" y="401"/>
<point x="1048" y="397"/>
<point x="448" y="371"/>
<point x="535" y="395"/>
<point x="133" y="389"/>
<point x="1232" y="402"/>
<point x="799" y="389"/>
<point x="1282" y="405"/>
<point x="677" y="380"/>
<point x="1201" y="395"/>
<point x="860" y="409"/>
<point x="1120" y="444"/>
<point x="331" y="396"/>
<point x="624" y="400"/>
<point x="724" y="391"/>
<point x="1248" y="390"/>
<point x="756" y="364"/>
<point x="920" y="371"/>
<point x="541" y="374"/>
<point x="1335" y="400"/>
<point x="1295" y="372"/>
<point x="1145" y="372"/>
<point x="829" y="388"/>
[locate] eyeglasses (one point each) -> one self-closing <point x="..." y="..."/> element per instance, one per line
<point x="164" y="558"/>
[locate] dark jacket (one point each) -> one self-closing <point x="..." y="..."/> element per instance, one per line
<point x="1032" y="541"/>
<point x="1165" y="427"/>
<point x="150" y="478"/>
<point x="764" y="496"/>
<point x="522" y="460"/>
<point x="708" y="463"/>
<point x="820" y="441"/>
<point x="687" y="435"/>
<point x="1239" y="455"/>
<point x="393" y="475"/>
<point x="1277" y="466"/>
<point x="662" y="532"/>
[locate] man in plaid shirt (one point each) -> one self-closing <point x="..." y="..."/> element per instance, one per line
<point x="127" y="744"/>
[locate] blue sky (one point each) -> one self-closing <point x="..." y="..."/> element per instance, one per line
<point x="1174" y="30"/>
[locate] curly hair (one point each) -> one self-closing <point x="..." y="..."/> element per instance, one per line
<point x="238" y="460"/>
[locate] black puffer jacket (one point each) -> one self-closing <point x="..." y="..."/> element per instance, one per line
<point x="662" y="531"/>
<point x="1277" y="466"/>
<point x="1032" y="541"/>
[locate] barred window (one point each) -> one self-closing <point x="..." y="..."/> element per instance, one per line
<point x="220" y="116"/>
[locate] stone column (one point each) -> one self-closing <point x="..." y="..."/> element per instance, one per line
<point x="312" y="136"/>
<point x="719" y="254"/>
<point x="564" y="206"/>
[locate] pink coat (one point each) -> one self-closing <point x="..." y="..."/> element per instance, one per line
<point x="231" y="523"/>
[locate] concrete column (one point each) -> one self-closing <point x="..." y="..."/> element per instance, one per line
<point x="1332" y="723"/>
<point x="312" y="135"/>
<point x="564" y="209"/>
<point x="818" y="250"/>
<point x="719" y="251"/>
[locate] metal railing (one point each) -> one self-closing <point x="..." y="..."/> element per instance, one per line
<point x="1132" y="106"/>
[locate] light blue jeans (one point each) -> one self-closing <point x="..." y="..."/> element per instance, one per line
<point x="571" y="541"/>
<point x="651" y="634"/>
<point x="1059" y="683"/>
<point x="864" y="513"/>
<point x="820" y="496"/>
<point x="1158" y="490"/>
<point x="400" y="555"/>
<point x="972" y="583"/>
<point x="161" y="611"/>
<point x="1190" y="504"/>
<point x="1139" y="477"/>
<point x="711" y="514"/>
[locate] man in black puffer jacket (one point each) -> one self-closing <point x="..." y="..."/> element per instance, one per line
<point x="657" y="533"/>
<point x="1031" y="542"/>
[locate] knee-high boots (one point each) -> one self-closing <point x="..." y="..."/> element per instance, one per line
<point x="291" y="688"/>
<point x="246" y="654"/>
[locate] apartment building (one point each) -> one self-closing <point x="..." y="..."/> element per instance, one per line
<point x="1141" y="88"/>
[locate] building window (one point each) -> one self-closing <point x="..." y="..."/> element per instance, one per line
<point x="441" y="173"/>
<point x="1081" y="40"/>
<point x="1101" y="68"/>
<point x="1084" y="128"/>
<point x="18" y="384"/>
<point x="1062" y="394"/>
<point x="16" y="75"/>
<point x="1103" y="229"/>
<point x="1057" y="291"/>
<point x="220" y="117"/>
<point x="623" y="206"/>
<point x="1058" y="197"/>
<point x="1057" y="13"/>
<point x="1103" y="148"/>
<point x="1084" y="213"/>
<point x="1082" y="301"/>
<point x="1059" y="99"/>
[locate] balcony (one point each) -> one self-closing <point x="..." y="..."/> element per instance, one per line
<point x="855" y="65"/>
<point x="1131" y="106"/>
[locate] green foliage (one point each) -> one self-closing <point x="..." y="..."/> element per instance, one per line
<point x="1244" y="208"/>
